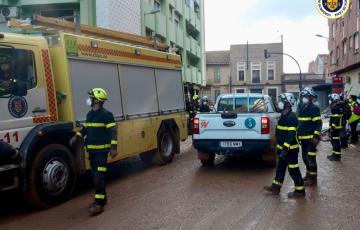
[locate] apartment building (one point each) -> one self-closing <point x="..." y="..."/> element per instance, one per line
<point x="344" y="48"/>
<point x="252" y="73"/>
<point x="217" y="74"/>
<point x="178" y="23"/>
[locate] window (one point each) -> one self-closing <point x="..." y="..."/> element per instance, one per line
<point x="171" y="13"/>
<point x="344" y="47"/>
<point x="351" y="41"/>
<point x="157" y="4"/>
<point x="348" y="80"/>
<point x="356" y="41"/>
<point x="350" y="9"/>
<point x="271" y="70"/>
<point x="337" y="53"/>
<point x="337" y="24"/>
<point x="333" y="30"/>
<point x="256" y="91"/>
<point x="243" y="105"/>
<point x="272" y="92"/>
<point x="25" y="71"/>
<point x="240" y="90"/>
<point x="255" y="72"/>
<point x="177" y="20"/>
<point x="241" y="71"/>
<point x="217" y="75"/>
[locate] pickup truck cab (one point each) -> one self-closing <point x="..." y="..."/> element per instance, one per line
<point x="241" y="124"/>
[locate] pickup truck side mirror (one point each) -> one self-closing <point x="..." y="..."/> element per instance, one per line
<point x="19" y="89"/>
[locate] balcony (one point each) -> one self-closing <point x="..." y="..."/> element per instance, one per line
<point x="172" y="2"/>
<point x="172" y="32"/>
<point x="179" y="6"/>
<point x="160" y="24"/>
<point x="179" y="37"/>
<point x="187" y="44"/>
<point x="194" y="74"/>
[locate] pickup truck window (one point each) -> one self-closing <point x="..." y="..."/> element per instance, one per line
<point x="242" y="105"/>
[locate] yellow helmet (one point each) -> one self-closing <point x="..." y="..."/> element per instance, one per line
<point x="196" y="98"/>
<point x="98" y="93"/>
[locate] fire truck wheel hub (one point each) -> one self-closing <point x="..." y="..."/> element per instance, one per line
<point x="55" y="176"/>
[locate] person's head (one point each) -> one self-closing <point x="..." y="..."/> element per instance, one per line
<point x="196" y="98"/>
<point x="5" y="64"/>
<point x="97" y="97"/>
<point x="286" y="102"/>
<point x="333" y="99"/>
<point x="307" y="95"/>
<point x="352" y="98"/>
<point x="205" y="100"/>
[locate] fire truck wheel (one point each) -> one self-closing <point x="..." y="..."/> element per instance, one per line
<point x="52" y="177"/>
<point x="166" y="147"/>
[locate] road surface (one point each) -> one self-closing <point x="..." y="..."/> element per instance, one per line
<point x="183" y="195"/>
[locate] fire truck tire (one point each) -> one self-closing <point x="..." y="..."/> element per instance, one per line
<point x="166" y="147"/>
<point x="52" y="178"/>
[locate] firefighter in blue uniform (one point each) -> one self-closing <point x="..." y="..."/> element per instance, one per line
<point x="309" y="132"/>
<point x="288" y="150"/>
<point x="100" y="133"/>
<point x="336" y="126"/>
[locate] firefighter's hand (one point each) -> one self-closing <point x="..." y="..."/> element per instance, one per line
<point x="113" y="153"/>
<point x="284" y="154"/>
<point x="315" y="140"/>
<point x="73" y="140"/>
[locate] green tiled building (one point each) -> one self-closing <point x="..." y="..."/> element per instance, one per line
<point x="178" y="23"/>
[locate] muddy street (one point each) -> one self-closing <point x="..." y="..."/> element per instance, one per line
<point x="183" y="195"/>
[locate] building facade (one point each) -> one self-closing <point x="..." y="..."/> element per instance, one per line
<point x="252" y="73"/>
<point x="344" y="48"/>
<point x="244" y="69"/>
<point x="178" y="23"/>
<point x="217" y="74"/>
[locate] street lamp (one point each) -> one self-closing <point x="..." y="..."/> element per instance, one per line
<point x="267" y="54"/>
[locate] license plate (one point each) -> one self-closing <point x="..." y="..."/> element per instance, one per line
<point x="231" y="144"/>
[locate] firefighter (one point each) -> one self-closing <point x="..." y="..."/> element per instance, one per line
<point x="346" y="111"/>
<point x="100" y="132"/>
<point x="354" y="118"/>
<point x="309" y="132"/>
<point x="204" y="106"/>
<point x="336" y="125"/>
<point x="5" y="75"/>
<point x="194" y="106"/>
<point x="287" y="149"/>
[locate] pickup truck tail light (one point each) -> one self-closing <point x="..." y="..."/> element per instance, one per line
<point x="196" y="129"/>
<point x="265" y="125"/>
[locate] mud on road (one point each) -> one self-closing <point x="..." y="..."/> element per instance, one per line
<point x="183" y="195"/>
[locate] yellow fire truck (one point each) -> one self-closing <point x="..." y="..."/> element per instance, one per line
<point x="45" y="103"/>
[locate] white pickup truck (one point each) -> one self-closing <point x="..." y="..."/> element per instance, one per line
<point x="241" y="124"/>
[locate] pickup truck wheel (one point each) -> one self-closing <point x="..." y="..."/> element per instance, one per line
<point x="166" y="147"/>
<point x="52" y="177"/>
<point x="209" y="161"/>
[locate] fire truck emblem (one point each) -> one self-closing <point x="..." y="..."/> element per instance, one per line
<point x="332" y="9"/>
<point x="17" y="106"/>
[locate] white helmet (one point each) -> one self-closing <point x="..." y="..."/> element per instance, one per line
<point x="307" y="91"/>
<point x="334" y="97"/>
<point x="287" y="98"/>
<point x="205" y="98"/>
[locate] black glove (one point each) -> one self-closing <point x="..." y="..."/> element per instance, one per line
<point x="284" y="152"/>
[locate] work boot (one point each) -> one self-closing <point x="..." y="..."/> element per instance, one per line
<point x="273" y="188"/>
<point x="296" y="194"/>
<point x="95" y="208"/>
<point x="310" y="181"/>
<point x="333" y="158"/>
